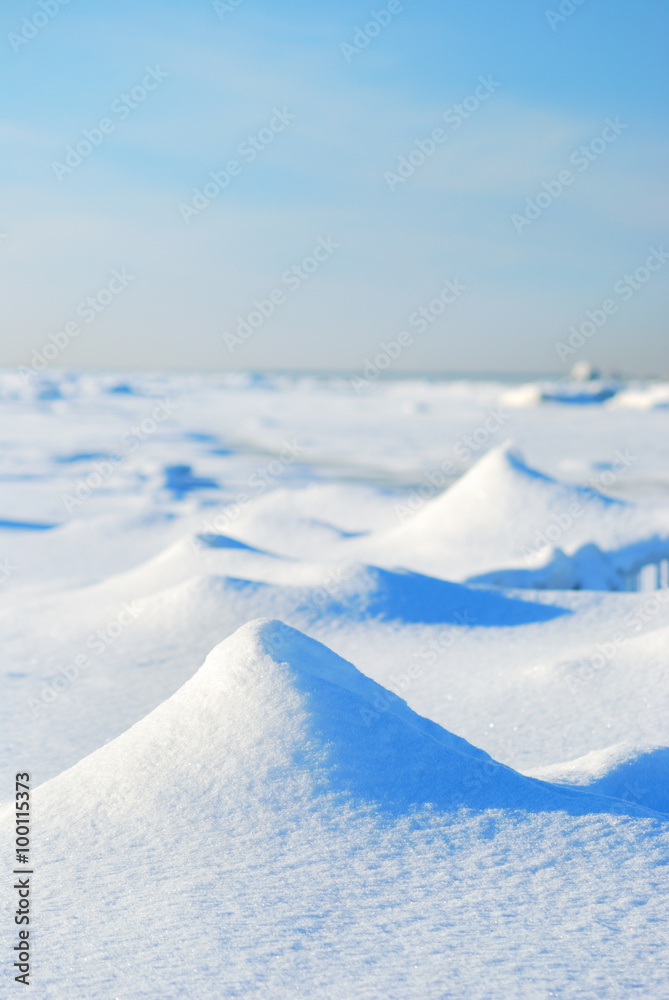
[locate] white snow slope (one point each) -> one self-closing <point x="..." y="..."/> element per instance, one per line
<point x="478" y="808"/>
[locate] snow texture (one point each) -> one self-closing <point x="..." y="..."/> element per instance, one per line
<point x="337" y="694"/>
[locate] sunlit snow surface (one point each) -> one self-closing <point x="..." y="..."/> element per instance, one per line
<point x="338" y="690"/>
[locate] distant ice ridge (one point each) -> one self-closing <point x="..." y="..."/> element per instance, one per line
<point x="635" y="395"/>
<point x="57" y="384"/>
<point x="574" y="394"/>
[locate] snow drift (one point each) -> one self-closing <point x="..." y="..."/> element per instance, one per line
<point x="273" y="719"/>
<point x="275" y="824"/>
<point x="282" y="825"/>
<point x="632" y="772"/>
<point x="507" y="524"/>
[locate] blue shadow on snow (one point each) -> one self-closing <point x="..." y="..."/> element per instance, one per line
<point x="424" y="600"/>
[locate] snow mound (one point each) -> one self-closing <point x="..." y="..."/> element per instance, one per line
<point x="486" y="519"/>
<point x="507" y="524"/>
<point x="275" y="720"/>
<point x="201" y="555"/>
<point x="632" y="772"/>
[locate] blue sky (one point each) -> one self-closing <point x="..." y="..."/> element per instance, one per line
<point x="349" y="114"/>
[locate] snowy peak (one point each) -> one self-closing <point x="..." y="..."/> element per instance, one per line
<point x="267" y="651"/>
<point x="274" y="720"/>
<point x="497" y="516"/>
<point x="502" y="486"/>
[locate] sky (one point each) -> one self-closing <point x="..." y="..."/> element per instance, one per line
<point x="458" y="186"/>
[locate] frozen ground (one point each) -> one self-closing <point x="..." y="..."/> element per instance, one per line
<point x="338" y="690"/>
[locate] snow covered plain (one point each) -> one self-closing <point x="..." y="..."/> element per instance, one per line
<point x="337" y="691"/>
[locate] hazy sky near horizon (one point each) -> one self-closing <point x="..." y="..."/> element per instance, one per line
<point x="114" y="116"/>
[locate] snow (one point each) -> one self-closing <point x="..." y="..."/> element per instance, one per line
<point x="624" y="771"/>
<point x="504" y="512"/>
<point x="337" y="694"/>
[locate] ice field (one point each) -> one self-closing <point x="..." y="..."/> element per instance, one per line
<point x="338" y="689"/>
